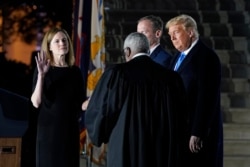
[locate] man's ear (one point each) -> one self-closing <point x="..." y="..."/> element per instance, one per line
<point x="191" y="34"/>
<point x="127" y="53"/>
<point x="158" y="33"/>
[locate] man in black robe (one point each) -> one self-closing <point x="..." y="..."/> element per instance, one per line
<point x="137" y="108"/>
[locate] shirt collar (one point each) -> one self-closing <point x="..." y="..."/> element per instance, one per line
<point x="192" y="45"/>
<point x="140" y="54"/>
<point x="152" y="49"/>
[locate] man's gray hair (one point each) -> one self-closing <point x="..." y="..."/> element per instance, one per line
<point x="137" y="42"/>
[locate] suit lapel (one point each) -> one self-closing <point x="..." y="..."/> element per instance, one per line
<point x="155" y="52"/>
<point x="188" y="57"/>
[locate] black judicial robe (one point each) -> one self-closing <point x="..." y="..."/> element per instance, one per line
<point x="137" y="108"/>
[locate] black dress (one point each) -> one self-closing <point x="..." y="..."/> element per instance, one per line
<point x="57" y="142"/>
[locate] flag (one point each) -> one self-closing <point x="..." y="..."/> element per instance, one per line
<point x="96" y="67"/>
<point x="89" y="42"/>
<point x="81" y="41"/>
<point x="81" y="35"/>
<point x="97" y="58"/>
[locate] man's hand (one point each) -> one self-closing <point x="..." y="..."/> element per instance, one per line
<point x="195" y="144"/>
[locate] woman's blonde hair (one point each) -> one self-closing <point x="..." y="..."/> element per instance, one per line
<point x="69" y="57"/>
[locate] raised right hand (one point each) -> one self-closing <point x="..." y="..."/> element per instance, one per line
<point x="42" y="63"/>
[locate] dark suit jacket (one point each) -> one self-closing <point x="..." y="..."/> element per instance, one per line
<point x="201" y="74"/>
<point x="161" y="56"/>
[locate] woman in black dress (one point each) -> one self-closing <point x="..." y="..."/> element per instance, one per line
<point x="58" y="93"/>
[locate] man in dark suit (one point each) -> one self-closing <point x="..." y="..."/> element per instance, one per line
<point x="137" y="108"/>
<point x="200" y="70"/>
<point x="152" y="27"/>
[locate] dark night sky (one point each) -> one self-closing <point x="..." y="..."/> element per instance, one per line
<point x="61" y="10"/>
